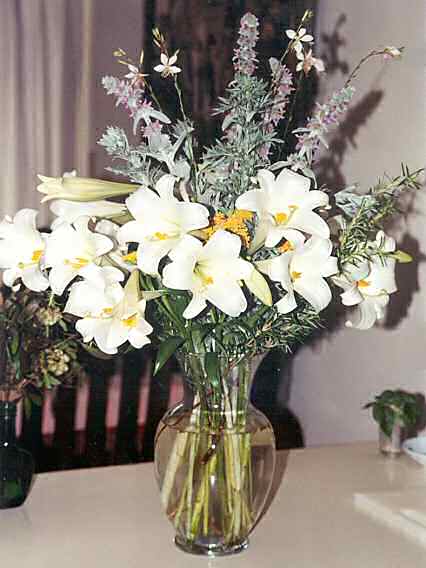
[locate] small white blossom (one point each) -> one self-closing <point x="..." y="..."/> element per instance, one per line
<point x="307" y="61"/>
<point x="392" y="52"/>
<point x="298" y="38"/>
<point x="167" y="66"/>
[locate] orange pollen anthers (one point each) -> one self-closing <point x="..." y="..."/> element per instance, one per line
<point x="37" y="254"/>
<point x="235" y="223"/>
<point x="130" y="321"/>
<point x="286" y="247"/>
<point x="363" y="283"/>
<point x="295" y="275"/>
<point x="281" y="218"/>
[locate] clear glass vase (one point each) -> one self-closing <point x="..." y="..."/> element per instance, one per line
<point x="214" y="457"/>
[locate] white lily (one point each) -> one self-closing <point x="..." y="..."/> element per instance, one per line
<point x="283" y="203"/>
<point x="167" y="66"/>
<point x="211" y="272"/>
<point x="21" y="251"/>
<point x="70" y="211"/>
<point x="302" y="268"/>
<point x="368" y="285"/>
<point x="161" y="221"/>
<point x="72" y="248"/>
<point x="111" y="314"/>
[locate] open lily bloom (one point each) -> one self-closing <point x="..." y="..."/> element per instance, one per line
<point x="69" y="211"/>
<point x="70" y="249"/>
<point x="211" y="272"/>
<point x="302" y="268"/>
<point x="367" y="286"/>
<point x="161" y="221"/>
<point x="111" y="314"/>
<point x="21" y="251"/>
<point x="282" y="203"/>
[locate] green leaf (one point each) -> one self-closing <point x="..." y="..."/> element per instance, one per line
<point x="165" y="351"/>
<point x="14" y="345"/>
<point x="212" y="367"/>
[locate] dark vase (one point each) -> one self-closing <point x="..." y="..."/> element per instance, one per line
<point x="16" y="464"/>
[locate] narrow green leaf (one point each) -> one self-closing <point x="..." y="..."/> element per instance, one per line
<point x="165" y="351"/>
<point x="212" y="367"/>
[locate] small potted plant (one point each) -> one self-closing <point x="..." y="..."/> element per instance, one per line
<point x="395" y="411"/>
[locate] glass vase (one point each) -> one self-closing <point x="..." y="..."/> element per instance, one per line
<point x="16" y="464"/>
<point x="214" y="457"/>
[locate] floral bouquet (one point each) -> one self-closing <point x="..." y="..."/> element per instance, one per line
<point x="217" y="255"/>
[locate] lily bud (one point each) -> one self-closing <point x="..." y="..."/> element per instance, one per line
<point x="75" y="188"/>
<point x="258" y="286"/>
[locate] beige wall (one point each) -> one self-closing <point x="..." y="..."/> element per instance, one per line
<point x="332" y="380"/>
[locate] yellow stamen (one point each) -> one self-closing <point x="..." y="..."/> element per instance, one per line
<point x="286" y="247"/>
<point x="131" y="257"/>
<point x="37" y="254"/>
<point x="130" y="321"/>
<point x="363" y="283"/>
<point x="77" y="262"/>
<point x="207" y="280"/>
<point x="293" y="208"/>
<point x="107" y="311"/>
<point x="280" y="218"/>
<point x="295" y="275"/>
<point x="161" y="236"/>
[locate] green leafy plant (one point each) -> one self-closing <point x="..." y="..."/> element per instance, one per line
<point x="394" y="407"/>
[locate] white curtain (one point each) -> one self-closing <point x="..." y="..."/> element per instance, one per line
<point x="44" y="97"/>
<point x="53" y="54"/>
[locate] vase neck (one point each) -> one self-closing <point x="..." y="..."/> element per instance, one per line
<point x="7" y="423"/>
<point x="215" y="384"/>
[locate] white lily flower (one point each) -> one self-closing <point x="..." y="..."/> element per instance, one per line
<point x="72" y="248"/>
<point x="307" y="61"/>
<point x="111" y="314"/>
<point x="302" y="268"/>
<point x="299" y="37"/>
<point x="211" y="272"/>
<point x="367" y="286"/>
<point x="283" y="203"/>
<point x="167" y="67"/>
<point x="161" y="221"/>
<point x="21" y="251"/>
<point x="70" y="211"/>
<point x="73" y="188"/>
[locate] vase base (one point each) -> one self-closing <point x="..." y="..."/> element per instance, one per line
<point x="210" y="550"/>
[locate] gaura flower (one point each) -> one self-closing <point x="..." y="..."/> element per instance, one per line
<point x="70" y="250"/>
<point x="135" y="75"/>
<point x="111" y="314"/>
<point x="75" y="188"/>
<point x="302" y="268"/>
<point x="284" y="203"/>
<point x="70" y="211"/>
<point x="212" y="273"/>
<point x="21" y="251"/>
<point x="307" y="61"/>
<point x="392" y="52"/>
<point x="161" y="221"/>
<point x="298" y="38"/>
<point x="367" y="286"/>
<point x="167" y="66"/>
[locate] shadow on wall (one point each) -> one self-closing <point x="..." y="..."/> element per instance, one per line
<point x="329" y="170"/>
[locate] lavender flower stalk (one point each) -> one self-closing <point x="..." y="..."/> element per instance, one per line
<point x="313" y="134"/>
<point x="245" y="55"/>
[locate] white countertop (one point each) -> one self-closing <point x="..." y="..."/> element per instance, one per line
<point x="111" y="518"/>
